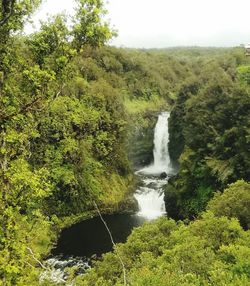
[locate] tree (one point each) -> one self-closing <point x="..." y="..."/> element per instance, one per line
<point x="210" y="251"/>
<point x="13" y="15"/>
<point x="244" y="74"/>
<point x="52" y="40"/>
<point x="234" y="201"/>
<point x="90" y="28"/>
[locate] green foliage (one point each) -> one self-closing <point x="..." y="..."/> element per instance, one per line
<point x="52" y="42"/>
<point x="244" y="73"/>
<point x="209" y="134"/>
<point x="89" y="26"/>
<point x="209" y="251"/>
<point x="233" y="202"/>
<point x="176" y="121"/>
<point x="136" y="106"/>
<point x="13" y="15"/>
<point x="23" y="237"/>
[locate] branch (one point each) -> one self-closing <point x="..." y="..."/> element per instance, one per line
<point x="40" y="263"/>
<point x="8" y="13"/>
<point x="60" y="91"/>
<point x="27" y="107"/>
<point x="33" y="256"/>
<point x="113" y="243"/>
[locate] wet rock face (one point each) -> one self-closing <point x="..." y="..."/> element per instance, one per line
<point x="129" y="205"/>
<point x="171" y="198"/>
<point x="141" y="141"/>
<point x="152" y="185"/>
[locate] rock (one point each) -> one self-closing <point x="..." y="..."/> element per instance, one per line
<point x="152" y="185"/>
<point x="129" y="205"/>
<point x="93" y="257"/>
<point x="163" y="175"/>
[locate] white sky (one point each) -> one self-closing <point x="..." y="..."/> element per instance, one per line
<point x="164" y="23"/>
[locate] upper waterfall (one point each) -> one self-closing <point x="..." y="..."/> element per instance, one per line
<point x="161" y="138"/>
<point x="161" y="155"/>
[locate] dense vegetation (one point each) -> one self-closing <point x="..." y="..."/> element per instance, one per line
<point x="72" y="107"/>
<point x="209" y="251"/>
<point x="209" y="133"/>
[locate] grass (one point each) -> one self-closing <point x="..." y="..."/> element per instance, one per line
<point x="135" y="106"/>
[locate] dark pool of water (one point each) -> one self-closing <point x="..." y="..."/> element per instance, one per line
<point x="91" y="237"/>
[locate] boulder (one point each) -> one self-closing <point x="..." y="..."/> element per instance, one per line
<point x="163" y="175"/>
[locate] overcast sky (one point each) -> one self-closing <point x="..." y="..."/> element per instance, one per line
<point x="164" y="23"/>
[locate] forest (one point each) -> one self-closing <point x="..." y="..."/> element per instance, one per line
<point x="71" y="106"/>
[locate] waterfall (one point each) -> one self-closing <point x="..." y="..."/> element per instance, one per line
<point x="161" y="155"/>
<point x="150" y="196"/>
<point x="150" y="201"/>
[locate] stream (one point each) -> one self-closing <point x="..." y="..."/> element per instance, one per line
<point x="89" y="239"/>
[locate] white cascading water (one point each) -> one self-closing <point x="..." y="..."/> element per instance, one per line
<point x="161" y="137"/>
<point x="56" y="269"/>
<point x="150" y="197"/>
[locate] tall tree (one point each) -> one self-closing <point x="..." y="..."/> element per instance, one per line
<point x="89" y="24"/>
<point x="13" y="15"/>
